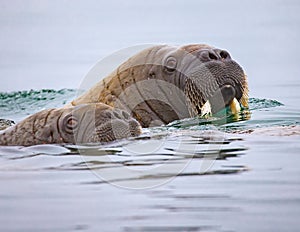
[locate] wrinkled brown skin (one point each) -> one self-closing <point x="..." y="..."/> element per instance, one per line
<point x="156" y="90"/>
<point x="87" y="123"/>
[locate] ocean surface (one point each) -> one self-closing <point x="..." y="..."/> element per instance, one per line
<point x="191" y="175"/>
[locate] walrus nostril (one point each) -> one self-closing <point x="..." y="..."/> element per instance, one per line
<point x="212" y="55"/>
<point x="117" y="115"/>
<point x="125" y="115"/>
<point x="224" y="55"/>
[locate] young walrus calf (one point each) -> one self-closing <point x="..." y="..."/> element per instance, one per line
<point x="87" y="123"/>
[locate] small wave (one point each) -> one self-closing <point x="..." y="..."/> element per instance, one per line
<point x="17" y="105"/>
<point x="257" y="103"/>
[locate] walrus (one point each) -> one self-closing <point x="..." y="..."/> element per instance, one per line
<point x="154" y="87"/>
<point x="86" y="123"/>
<point x="165" y="83"/>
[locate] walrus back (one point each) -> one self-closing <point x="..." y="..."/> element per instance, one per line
<point x="132" y="87"/>
<point x="35" y="129"/>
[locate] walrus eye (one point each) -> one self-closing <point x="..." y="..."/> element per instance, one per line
<point x="70" y="123"/>
<point x="170" y="64"/>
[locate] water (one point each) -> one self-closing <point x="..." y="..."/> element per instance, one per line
<point x="235" y="181"/>
<point x="187" y="176"/>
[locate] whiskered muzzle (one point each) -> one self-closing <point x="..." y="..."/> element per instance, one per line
<point x="215" y="86"/>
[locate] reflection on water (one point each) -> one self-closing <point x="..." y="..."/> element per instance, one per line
<point x="220" y="175"/>
<point x="174" y="149"/>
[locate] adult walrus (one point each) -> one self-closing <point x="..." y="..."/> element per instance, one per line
<point x="86" y="123"/>
<point x="164" y="83"/>
<point x="156" y="86"/>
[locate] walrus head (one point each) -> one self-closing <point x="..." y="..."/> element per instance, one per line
<point x="209" y="77"/>
<point x="86" y="123"/>
<point x="92" y="123"/>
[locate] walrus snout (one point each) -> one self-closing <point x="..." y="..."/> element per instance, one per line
<point x="95" y="122"/>
<point x="107" y="125"/>
<point x="213" y="54"/>
<point x="215" y="83"/>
